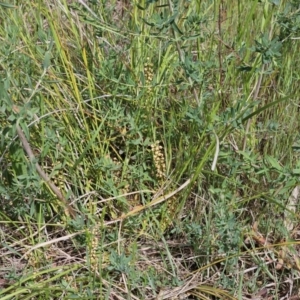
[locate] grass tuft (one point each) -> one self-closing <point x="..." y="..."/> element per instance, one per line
<point x="149" y="150"/>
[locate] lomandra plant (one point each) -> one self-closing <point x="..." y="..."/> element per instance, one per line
<point x="97" y="208"/>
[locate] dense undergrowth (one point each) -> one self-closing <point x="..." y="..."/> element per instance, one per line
<point x="149" y="150"/>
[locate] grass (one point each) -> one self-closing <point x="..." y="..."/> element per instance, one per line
<point x="167" y="134"/>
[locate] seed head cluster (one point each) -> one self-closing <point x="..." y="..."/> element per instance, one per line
<point x="160" y="166"/>
<point x="148" y="71"/>
<point x="93" y="249"/>
<point x="159" y="160"/>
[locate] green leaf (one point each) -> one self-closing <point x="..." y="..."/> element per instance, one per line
<point x="176" y="28"/>
<point x="273" y="162"/>
<point x="11" y="118"/>
<point x="12" y="250"/>
<point x="7" y="5"/>
<point x="25" y="130"/>
<point x="296" y="172"/>
<point x="47" y="60"/>
<point x="258" y="111"/>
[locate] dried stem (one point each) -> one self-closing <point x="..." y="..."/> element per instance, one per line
<point x="42" y="174"/>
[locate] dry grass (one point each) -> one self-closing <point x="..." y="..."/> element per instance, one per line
<point x="171" y="130"/>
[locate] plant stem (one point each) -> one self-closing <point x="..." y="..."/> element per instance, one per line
<point x="43" y="175"/>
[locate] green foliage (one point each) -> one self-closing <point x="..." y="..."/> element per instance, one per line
<point x="93" y="86"/>
<point x="269" y="50"/>
<point x="119" y="263"/>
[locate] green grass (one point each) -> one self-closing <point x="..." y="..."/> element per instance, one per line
<point x="171" y="132"/>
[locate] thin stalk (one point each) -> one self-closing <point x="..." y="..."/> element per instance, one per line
<point x="43" y="175"/>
